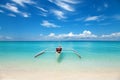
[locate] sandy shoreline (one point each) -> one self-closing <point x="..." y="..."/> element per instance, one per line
<point x="59" y="75"/>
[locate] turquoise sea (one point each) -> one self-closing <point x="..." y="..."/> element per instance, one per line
<point x="96" y="56"/>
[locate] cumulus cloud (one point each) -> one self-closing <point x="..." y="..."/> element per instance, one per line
<point x="48" y="24"/>
<point x="5" y="38"/>
<point x="92" y="18"/>
<point x="23" y="2"/>
<point x="85" y="35"/>
<point x="51" y="35"/>
<point x="64" y="4"/>
<point x="59" y="14"/>
<point x="14" y="9"/>
<point x="112" y="36"/>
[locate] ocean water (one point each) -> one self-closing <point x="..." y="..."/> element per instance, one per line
<point x="96" y="56"/>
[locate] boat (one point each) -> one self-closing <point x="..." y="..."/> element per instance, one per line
<point x="58" y="52"/>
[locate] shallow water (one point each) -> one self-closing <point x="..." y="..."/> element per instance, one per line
<point x="95" y="56"/>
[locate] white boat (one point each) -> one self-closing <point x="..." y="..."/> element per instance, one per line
<point x="59" y="52"/>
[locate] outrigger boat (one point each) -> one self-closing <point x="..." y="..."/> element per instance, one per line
<point x="58" y="52"/>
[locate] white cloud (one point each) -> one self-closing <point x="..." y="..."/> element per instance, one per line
<point x="113" y="35"/>
<point x="25" y="14"/>
<point x="41" y="34"/>
<point x="12" y="15"/>
<point x="23" y="2"/>
<point x="59" y="14"/>
<point x="51" y="35"/>
<point x="8" y="37"/>
<point x="64" y="4"/>
<point x="61" y="36"/>
<point x="5" y="38"/>
<point x="1" y="11"/>
<point x="71" y="1"/>
<point x="42" y="9"/>
<point x="11" y="7"/>
<point x="48" y="24"/>
<point x="92" y="18"/>
<point x="14" y="9"/>
<point x="85" y="35"/>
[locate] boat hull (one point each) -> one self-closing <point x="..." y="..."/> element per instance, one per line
<point x="58" y="54"/>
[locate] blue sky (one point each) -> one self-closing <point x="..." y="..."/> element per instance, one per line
<point x="59" y="20"/>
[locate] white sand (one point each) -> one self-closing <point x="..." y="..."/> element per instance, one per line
<point x="59" y="71"/>
<point x="58" y="75"/>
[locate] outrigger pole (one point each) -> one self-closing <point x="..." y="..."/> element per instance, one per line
<point x="40" y="53"/>
<point x="76" y="53"/>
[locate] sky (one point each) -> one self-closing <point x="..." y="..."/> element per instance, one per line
<point x="34" y="20"/>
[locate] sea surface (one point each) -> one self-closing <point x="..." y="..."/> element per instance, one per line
<point x="96" y="56"/>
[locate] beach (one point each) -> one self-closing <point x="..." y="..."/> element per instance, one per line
<point x="59" y="40"/>
<point x="99" y="61"/>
